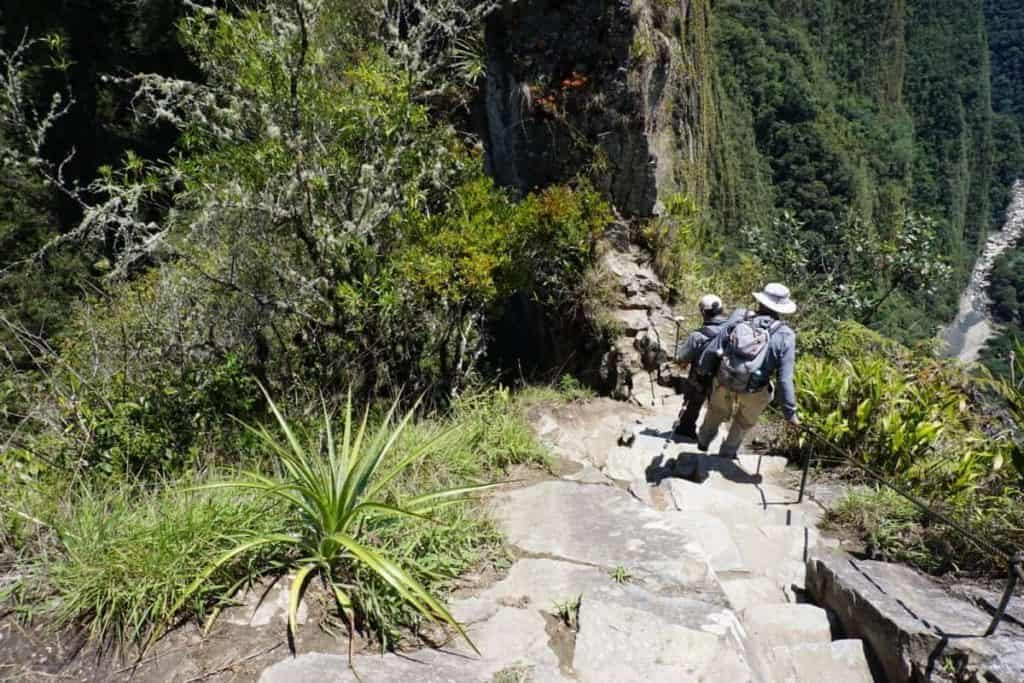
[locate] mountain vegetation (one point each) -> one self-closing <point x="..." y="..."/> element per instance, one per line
<point x="215" y="215"/>
<point x="1006" y="37"/>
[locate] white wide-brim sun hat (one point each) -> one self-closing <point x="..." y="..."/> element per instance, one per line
<point x="775" y="296"/>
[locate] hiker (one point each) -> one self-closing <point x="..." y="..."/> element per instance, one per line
<point x="697" y="385"/>
<point x="750" y="348"/>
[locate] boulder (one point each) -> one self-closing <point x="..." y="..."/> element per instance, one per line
<point x="915" y="629"/>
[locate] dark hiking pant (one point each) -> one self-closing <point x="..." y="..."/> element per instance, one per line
<point x="697" y="391"/>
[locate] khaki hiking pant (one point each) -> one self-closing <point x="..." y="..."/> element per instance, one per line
<point x="744" y="409"/>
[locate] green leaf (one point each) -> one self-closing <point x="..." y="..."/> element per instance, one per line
<point x="295" y="594"/>
<point x="427" y="502"/>
<point x="406" y="586"/>
<point x="224" y="559"/>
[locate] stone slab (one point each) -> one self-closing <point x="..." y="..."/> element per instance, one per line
<point x="730" y="504"/>
<point x="603" y="526"/>
<point x="621" y="643"/>
<point x="793" y="624"/>
<point x="264" y="604"/>
<point x="762" y="464"/>
<point x="511" y="638"/>
<point x="911" y="624"/>
<point x="426" y="667"/>
<point x="590" y="475"/>
<point x="765" y="547"/>
<point x="841" y="661"/>
<point x="745" y="592"/>
<point x="715" y="539"/>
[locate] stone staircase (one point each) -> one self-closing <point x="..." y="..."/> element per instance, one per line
<point x="756" y="537"/>
<point x="650" y="562"/>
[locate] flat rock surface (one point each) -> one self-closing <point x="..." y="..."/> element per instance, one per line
<point x="913" y="625"/>
<point x="602" y="526"/>
<point x="841" y="661"/>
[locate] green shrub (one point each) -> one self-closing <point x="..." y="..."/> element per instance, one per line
<point x="500" y="435"/>
<point x="337" y="489"/>
<point x="159" y="426"/>
<point x="895" y="419"/>
<point x="889" y="524"/>
<point x="363" y="498"/>
<point x="895" y="530"/>
<point x="927" y="427"/>
<point x="126" y="560"/>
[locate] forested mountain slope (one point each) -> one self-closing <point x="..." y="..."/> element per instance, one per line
<point x="860" y="111"/>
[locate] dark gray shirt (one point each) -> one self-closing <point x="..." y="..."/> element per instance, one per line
<point x="688" y="351"/>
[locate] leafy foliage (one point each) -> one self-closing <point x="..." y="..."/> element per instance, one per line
<point x="125" y="560"/>
<point x="916" y="421"/>
<point x="842" y="123"/>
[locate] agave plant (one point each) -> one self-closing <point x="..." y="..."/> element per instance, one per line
<point x="334" y="488"/>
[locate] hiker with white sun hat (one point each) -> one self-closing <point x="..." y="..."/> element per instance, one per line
<point x="755" y="348"/>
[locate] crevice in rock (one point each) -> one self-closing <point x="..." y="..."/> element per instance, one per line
<point x="528" y="555"/>
<point x="562" y="641"/>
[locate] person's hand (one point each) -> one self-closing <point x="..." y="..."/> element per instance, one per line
<point x="793" y="422"/>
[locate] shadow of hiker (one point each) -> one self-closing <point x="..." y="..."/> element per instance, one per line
<point x="669" y="436"/>
<point x="696" y="468"/>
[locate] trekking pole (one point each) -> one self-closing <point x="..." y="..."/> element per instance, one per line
<point x="678" y="320"/>
<point x="803" y="475"/>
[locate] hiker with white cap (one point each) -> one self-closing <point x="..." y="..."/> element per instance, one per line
<point x="751" y="349"/>
<point x="698" y="384"/>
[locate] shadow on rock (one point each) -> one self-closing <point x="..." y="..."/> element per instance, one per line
<point x="697" y="468"/>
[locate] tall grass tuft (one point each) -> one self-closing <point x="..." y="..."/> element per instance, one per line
<point x="126" y="556"/>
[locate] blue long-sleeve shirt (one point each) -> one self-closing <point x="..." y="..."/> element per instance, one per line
<point x="780" y="361"/>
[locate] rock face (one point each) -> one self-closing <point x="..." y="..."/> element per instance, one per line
<point x="621" y="89"/>
<point x="639" y="357"/>
<point x="916" y="630"/>
<point x="621" y="93"/>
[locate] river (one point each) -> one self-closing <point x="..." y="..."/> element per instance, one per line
<point x="967" y="334"/>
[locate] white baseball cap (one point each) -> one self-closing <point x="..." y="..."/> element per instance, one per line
<point x="709" y="303"/>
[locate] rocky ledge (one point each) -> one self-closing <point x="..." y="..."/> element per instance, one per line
<point x="914" y="628"/>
